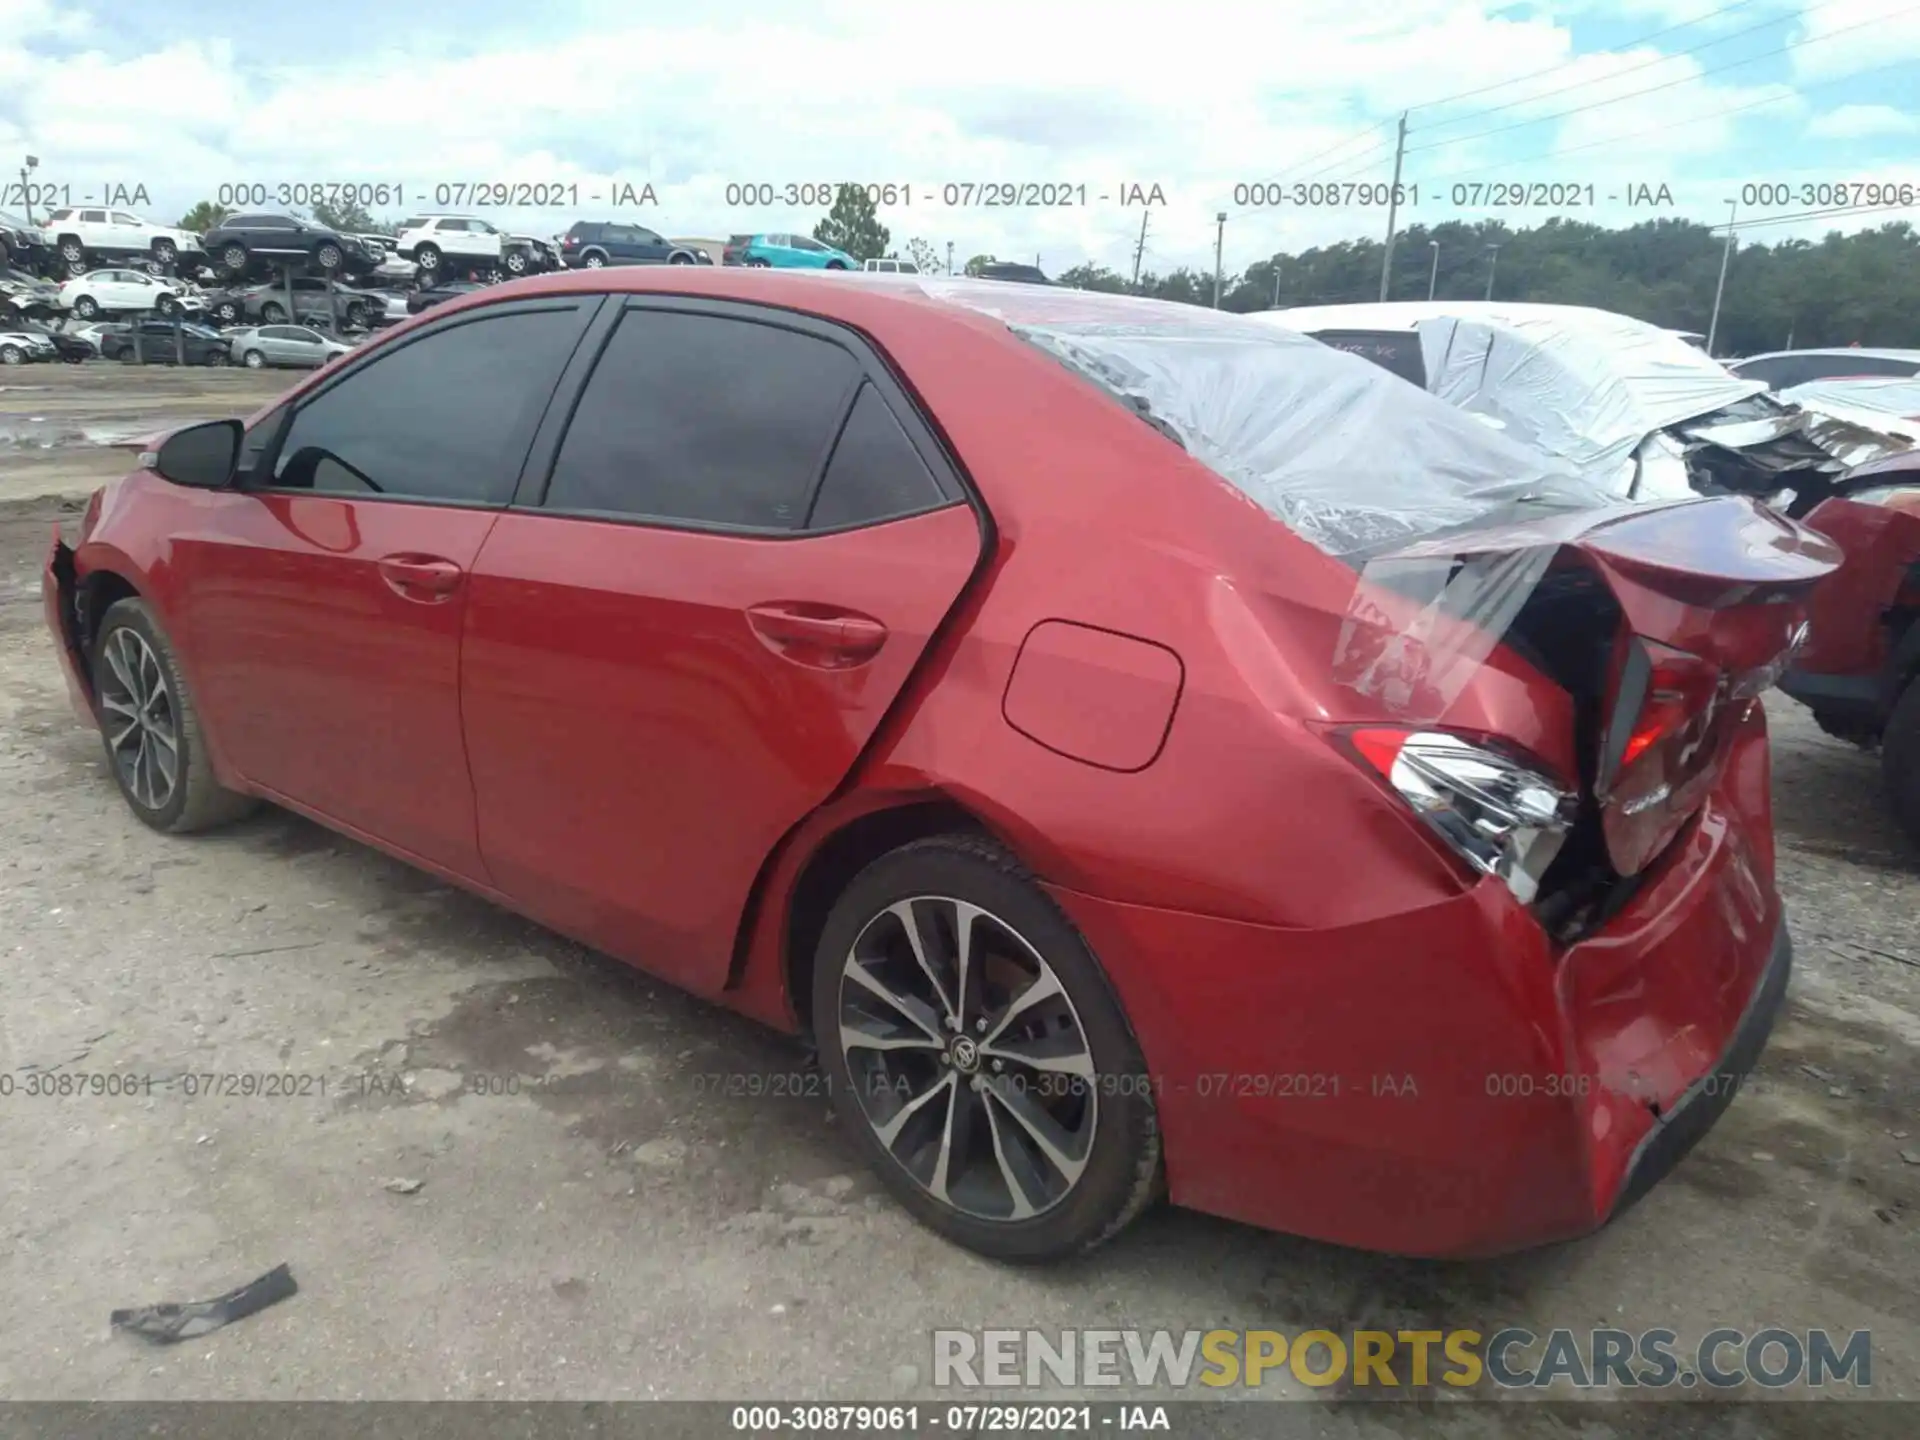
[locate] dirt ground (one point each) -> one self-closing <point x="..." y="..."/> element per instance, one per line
<point x="617" y="1229"/>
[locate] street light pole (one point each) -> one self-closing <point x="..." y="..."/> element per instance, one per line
<point x="1219" y="248"/>
<point x="1493" y="259"/>
<point x="1433" y="275"/>
<point x="26" y="187"/>
<point x="949" y="257"/>
<point x="1720" y="286"/>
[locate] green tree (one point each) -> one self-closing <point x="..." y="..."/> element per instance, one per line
<point x="1094" y="277"/>
<point x="924" y="256"/>
<point x="853" y="225"/>
<point x="203" y="217"/>
<point x="349" y="217"/>
<point x="977" y="264"/>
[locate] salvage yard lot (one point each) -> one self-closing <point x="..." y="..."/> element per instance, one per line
<point x="624" y="1193"/>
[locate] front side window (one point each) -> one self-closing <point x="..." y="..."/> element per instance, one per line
<point x="705" y="419"/>
<point x="447" y="417"/>
<point x="120" y="217"/>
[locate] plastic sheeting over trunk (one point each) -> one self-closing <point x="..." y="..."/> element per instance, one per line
<point x="1347" y="456"/>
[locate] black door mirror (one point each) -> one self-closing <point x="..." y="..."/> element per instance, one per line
<point x="202" y="456"/>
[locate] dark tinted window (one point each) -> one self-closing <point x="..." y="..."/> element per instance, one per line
<point x="696" y="417"/>
<point x="875" y="471"/>
<point x="1394" y="350"/>
<point x="447" y="417"/>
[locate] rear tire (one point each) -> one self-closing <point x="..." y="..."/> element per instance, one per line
<point x="965" y="1162"/>
<point x="273" y="314"/>
<point x="170" y="787"/>
<point x="86" y="307"/>
<point x="254" y="360"/>
<point x="12" y="355"/>
<point x="1900" y="759"/>
<point x="427" y="257"/>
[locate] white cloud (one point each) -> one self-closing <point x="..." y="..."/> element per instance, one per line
<point x="1844" y="37"/>
<point x="1857" y="122"/>
<point x="831" y="91"/>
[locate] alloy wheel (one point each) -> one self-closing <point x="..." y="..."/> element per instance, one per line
<point x="143" y="732"/>
<point x="12" y="355"/>
<point x="968" y="1058"/>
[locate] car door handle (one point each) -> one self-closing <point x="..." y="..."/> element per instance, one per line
<point x="817" y="635"/>
<point x="420" y="577"/>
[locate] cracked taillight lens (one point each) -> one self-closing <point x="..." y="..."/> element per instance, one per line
<point x="1498" y="808"/>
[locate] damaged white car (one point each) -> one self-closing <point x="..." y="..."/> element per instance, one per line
<point x="1636" y="408"/>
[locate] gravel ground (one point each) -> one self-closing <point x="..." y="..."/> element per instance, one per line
<point x="615" y="1228"/>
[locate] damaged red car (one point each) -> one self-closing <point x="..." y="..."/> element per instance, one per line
<point x="1146" y="751"/>
<point x="1859" y="671"/>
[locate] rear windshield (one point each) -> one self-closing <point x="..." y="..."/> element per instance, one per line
<point x="1347" y="455"/>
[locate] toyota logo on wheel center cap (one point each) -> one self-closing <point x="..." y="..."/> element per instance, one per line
<point x="965" y="1055"/>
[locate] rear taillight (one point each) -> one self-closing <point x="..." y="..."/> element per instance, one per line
<point x="1498" y="808"/>
<point x="1661" y="750"/>
<point x="570" y="241"/>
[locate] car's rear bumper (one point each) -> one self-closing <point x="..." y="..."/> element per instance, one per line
<point x="1444" y="1081"/>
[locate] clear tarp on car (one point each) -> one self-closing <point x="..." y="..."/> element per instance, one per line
<point x="1282" y="417"/>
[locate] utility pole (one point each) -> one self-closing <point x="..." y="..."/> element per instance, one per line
<point x="1493" y="259"/>
<point x="1219" y="248"/>
<point x="1720" y="288"/>
<point x="26" y="186"/>
<point x="1140" y="250"/>
<point x="1276" y="285"/>
<point x="949" y="257"/>
<point x="1433" y="275"/>
<point x="1393" y="206"/>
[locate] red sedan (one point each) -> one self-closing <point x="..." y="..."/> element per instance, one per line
<point x="1146" y="750"/>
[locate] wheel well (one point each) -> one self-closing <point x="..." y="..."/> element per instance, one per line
<point x="99" y="593"/>
<point x="844" y="855"/>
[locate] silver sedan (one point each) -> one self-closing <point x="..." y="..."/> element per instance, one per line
<point x="296" y="345"/>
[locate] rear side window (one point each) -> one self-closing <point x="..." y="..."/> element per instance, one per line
<point x="705" y="419"/>
<point x="875" y="473"/>
<point x="447" y="417"/>
<point x="1392" y="350"/>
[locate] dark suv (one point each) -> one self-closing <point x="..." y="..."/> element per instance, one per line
<point x="1019" y="274"/>
<point x="23" y="246"/>
<point x="239" y="240"/>
<point x="593" y="243"/>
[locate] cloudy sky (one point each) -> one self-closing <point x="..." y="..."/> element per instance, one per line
<point x="1204" y="99"/>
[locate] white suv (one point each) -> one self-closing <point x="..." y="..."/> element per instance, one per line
<point x="85" y="234"/>
<point x="430" y="240"/>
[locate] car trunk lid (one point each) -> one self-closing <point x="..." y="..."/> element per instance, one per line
<point x="1699" y="607"/>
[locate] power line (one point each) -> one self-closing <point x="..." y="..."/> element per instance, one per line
<point x="1554" y="69"/>
<point x="1631" y="69"/>
<point x="1670" y="84"/>
<point x="1762" y="103"/>
<point x="1564" y="64"/>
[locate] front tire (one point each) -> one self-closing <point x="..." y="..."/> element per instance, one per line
<point x="988" y="1072"/>
<point x="74" y="253"/>
<point x="234" y="257"/>
<point x="328" y="257"/>
<point x="150" y="729"/>
<point x="12" y="355"/>
<point x="516" y="262"/>
<point x="1900" y="759"/>
<point x="273" y="314"/>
